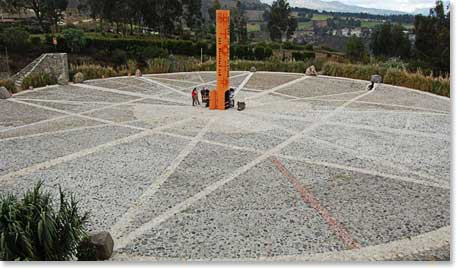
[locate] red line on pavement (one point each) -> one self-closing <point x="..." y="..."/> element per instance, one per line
<point x="310" y="199"/>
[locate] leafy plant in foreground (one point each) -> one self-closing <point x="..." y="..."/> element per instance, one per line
<point x="34" y="229"/>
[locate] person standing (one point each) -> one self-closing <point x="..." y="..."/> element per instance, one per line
<point x="195" y="97"/>
<point x="203" y="94"/>
<point x="232" y="97"/>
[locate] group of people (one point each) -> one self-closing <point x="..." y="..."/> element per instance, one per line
<point x="204" y="92"/>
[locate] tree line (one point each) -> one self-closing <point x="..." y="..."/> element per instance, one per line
<point x="428" y="47"/>
<point x="404" y="18"/>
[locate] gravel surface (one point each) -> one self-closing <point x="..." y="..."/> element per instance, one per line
<point x="295" y="176"/>
<point x="368" y="212"/>
<point x="390" y="95"/>
<point x="69" y="107"/>
<point x="119" y="114"/>
<point x="265" y="81"/>
<point x="18" y="114"/>
<point x="66" y="123"/>
<point x="312" y="87"/>
<point x="18" y="154"/>
<point x="74" y="93"/>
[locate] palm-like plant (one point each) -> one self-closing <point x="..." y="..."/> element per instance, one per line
<point x="31" y="229"/>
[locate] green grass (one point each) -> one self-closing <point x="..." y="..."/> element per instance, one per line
<point x="408" y="26"/>
<point x="372" y="24"/>
<point x="321" y="17"/>
<point x="253" y="27"/>
<point x="305" y="25"/>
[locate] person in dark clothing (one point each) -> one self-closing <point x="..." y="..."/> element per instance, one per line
<point x="232" y="98"/>
<point x="205" y="95"/>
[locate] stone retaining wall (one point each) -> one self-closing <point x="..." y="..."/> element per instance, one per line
<point x="54" y="64"/>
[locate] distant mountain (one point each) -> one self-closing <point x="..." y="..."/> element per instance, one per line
<point x="336" y="6"/>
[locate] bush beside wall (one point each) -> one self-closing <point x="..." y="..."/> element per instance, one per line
<point x="38" y="80"/>
<point x="92" y="71"/>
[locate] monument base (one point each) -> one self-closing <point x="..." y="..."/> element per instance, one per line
<point x="218" y="99"/>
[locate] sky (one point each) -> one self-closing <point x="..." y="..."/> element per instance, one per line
<point x="399" y="5"/>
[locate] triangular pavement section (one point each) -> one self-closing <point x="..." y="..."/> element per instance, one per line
<point x="265" y="81"/>
<point x="315" y="86"/>
<point x="72" y="107"/>
<point x="203" y="166"/>
<point x="159" y="102"/>
<point x="108" y="182"/>
<point x="368" y="206"/>
<point x="189" y="77"/>
<point x="258" y="214"/>
<point x="179" y="85"/>
<point x="49" y="127"/>
<point x="408" y="99"/>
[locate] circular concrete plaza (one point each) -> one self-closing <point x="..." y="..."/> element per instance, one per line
<point x="316" y="168"/>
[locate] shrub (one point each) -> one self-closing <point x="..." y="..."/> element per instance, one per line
<point x="86" y="250"/>
<point x="92" y="71"/>
<point x="161" y="65"/>
<point x="178" y="47"/>
<point x="355" y="71"/>
<point x="35" y="42"/>
<point x="38" y="80"/>
<point x="270" y="65"/>
<point x="436" y="85"/>
<point x="34" y="229"/>
<point x="290" y="45"/>
<point x="119" y="57"/>
<point x="74" y="39"/>
<point x="302" y="56"/>
<point x="393" y="76"/>
<point x="142" y="54"/>
<point x="309" y="47"/>
<point x="8" y="84"/>
<point x="154" y="52"/>
<point x="15" y="39"/>
<point x="132" y="66"/>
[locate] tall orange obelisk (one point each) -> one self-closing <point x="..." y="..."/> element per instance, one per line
<point x="217" y="96"/>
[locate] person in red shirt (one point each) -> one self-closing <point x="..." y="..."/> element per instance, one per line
<point x="195" y="97"/>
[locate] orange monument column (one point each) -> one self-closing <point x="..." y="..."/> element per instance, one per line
<point x="217" y="97"/>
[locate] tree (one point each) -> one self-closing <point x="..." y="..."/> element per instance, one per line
<point x="157" y="15"/>
<point x="355" y="49"/>
<point x="281" y="24"/>
<point x="212" y="10"/>
<point x="432" y="43"/>
<point x="238" y="24"/>
<point x="193" y="15"/>
<point x="390" y="41"/>
<point x="75" y="39"/>
<point x="164" y="16"/>
<point x="15" y="39"/>
<point x="47" y="12"/>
